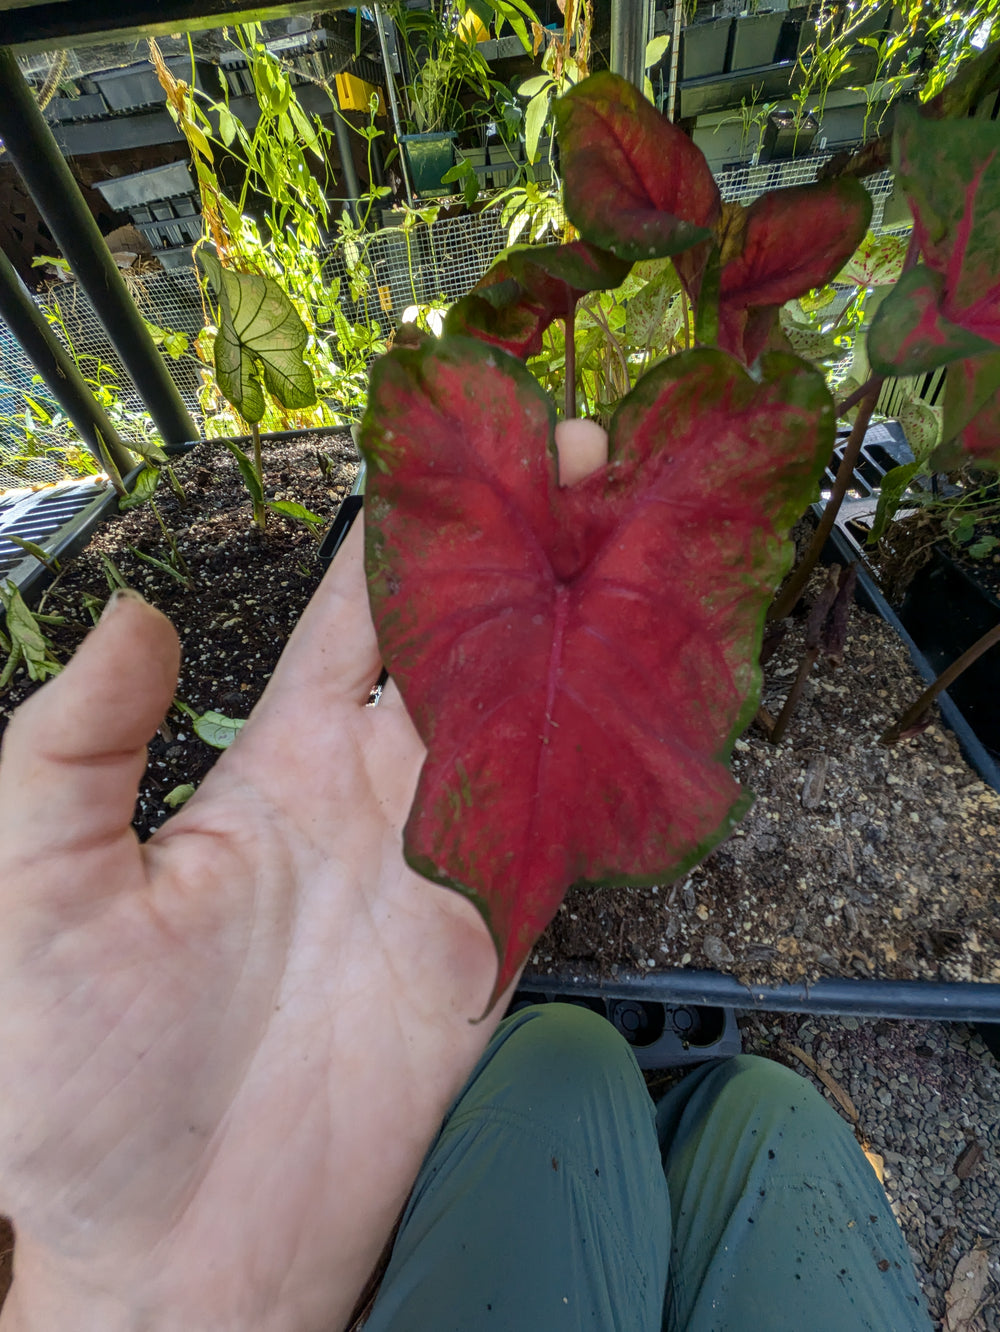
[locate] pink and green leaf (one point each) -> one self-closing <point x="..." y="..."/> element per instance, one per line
<point x="971" y="426"/>
<point x="911" y="334"/>
<point x="950" y="172"/>
<point x="578" y="660"/>
<point x="556" y="276"/>
<point x="633" y="183"/>
<point x="498" y="310"/>
<point x="793" y="240"/>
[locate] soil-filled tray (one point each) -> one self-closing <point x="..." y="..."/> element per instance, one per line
<point x="248" y="590"/>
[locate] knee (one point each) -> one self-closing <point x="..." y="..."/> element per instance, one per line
<point x="771" y="1094"/>
<point x="570" y="1050"/>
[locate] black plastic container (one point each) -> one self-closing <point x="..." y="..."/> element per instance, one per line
<point x="755" y="40"/>
<point x="138" y="85"/>
<point x="661" y="1035"/>
<point x="784" y="138"/>
<point x="705" y="48"/>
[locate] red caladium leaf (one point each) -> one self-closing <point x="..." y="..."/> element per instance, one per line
<point x="578" y="660"/>
<point x="515" y="301"/>
<point x="950" y="173"/>
<point x="633" y="183"/>
<point x="556" y="276"/>
<point x="786" y="243"/>
<point x="971" y="421"/>
<point x="497" y="310"/>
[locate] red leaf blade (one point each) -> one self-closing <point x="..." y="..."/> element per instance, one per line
<point x="633" y="183"/>
<point x="577" y="667"/>
<point x="910" y="333"/>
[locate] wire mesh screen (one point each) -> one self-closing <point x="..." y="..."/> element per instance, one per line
<point x="436" y="262"/>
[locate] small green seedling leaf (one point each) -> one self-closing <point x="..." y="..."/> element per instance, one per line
<point x="247" y="470"/>
<point x="297" y="512"/>
<point x="28" y="643"/>
<point x="160" y="564"/>
<point x="216" y="729"/>
<point x="143" y="490"/>
<point x="260" y="342"/>
<point x="179" y="795"/>
<point x="33" y="548"/>
<point x="112" y="573"/>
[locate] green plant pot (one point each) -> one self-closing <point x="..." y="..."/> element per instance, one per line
<point x="428" y="157"/>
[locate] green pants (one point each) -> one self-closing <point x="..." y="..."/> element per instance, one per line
<point x="557" y="1196"/>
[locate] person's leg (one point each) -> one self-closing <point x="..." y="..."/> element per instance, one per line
<point x="542" y="1205"/>
<point x="779" y="1221"/>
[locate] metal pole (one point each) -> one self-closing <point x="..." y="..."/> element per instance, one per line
<point x="58" y="198"/>
<point x="390" y="85"/>
<point x="54" y="363"/>
<point x="670" y="109"/>
<point x="629" y="31"/>
<point x="342" y="132"/>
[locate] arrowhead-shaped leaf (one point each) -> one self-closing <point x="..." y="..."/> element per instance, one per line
<point x="633" y="183"/>
<point x="259" y="343"/>
<point x="950" y="172"/>
<point x="910" y="334"/>
<point x="578" y="660"/>
<point x="877" y="261"/>
<point x="785" y="244"/>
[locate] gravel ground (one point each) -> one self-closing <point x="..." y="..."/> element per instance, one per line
<point x="924" y="1093"/>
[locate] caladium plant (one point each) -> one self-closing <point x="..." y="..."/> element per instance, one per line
<point x="579" y="659"/>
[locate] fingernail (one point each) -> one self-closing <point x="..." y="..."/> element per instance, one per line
<point x="119" y="595"/>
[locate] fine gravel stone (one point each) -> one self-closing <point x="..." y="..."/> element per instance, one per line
<point x="928" y="1096"/>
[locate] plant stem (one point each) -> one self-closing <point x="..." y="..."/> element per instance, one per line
<point x="913" y="714"/>
<point x="794" y="694"/>
<point x="789" y="597"/>
<point x="571" y="361"/>
<point x="259" y="511"/>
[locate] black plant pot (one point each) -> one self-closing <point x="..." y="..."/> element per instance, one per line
<point x="786" y="135"/>
<point x="705" y="48"/>
<point x="755" y="40"/>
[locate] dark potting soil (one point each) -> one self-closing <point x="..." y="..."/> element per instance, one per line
<point x="855" y="860"/>
<point x="248" y="589"/>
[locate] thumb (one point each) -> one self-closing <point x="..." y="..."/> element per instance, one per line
<point x="74" y="752"/>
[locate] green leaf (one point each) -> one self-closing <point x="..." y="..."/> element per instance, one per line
<point x="298" y="512"/>
<point x="159" y="564"/>
<point x="891" y="492"/>
<point x="144" y="489"/>
<point x="534" y="121"/>
<point x="655" y="51"/>
<point x="227" y="124"/>
<point x="33" y="548"/>
<point x="877" y="261"/>
<point x="218" y="730"/>
<point x="26" y="637"/>
<point x="247" y="470"/>
<point x="983" y="547"/>
<point x="179" y="795"/>
<point x="532" y="87"/>
<point x="646" y="311"/>
<point x="260" y="342"/>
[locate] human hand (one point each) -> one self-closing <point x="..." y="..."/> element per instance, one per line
<point x="228" y="1049"/>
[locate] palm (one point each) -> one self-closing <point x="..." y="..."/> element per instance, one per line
<point x="259" y="1029"/>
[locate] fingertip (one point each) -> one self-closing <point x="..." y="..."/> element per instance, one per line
<point x="583" y="448"/>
